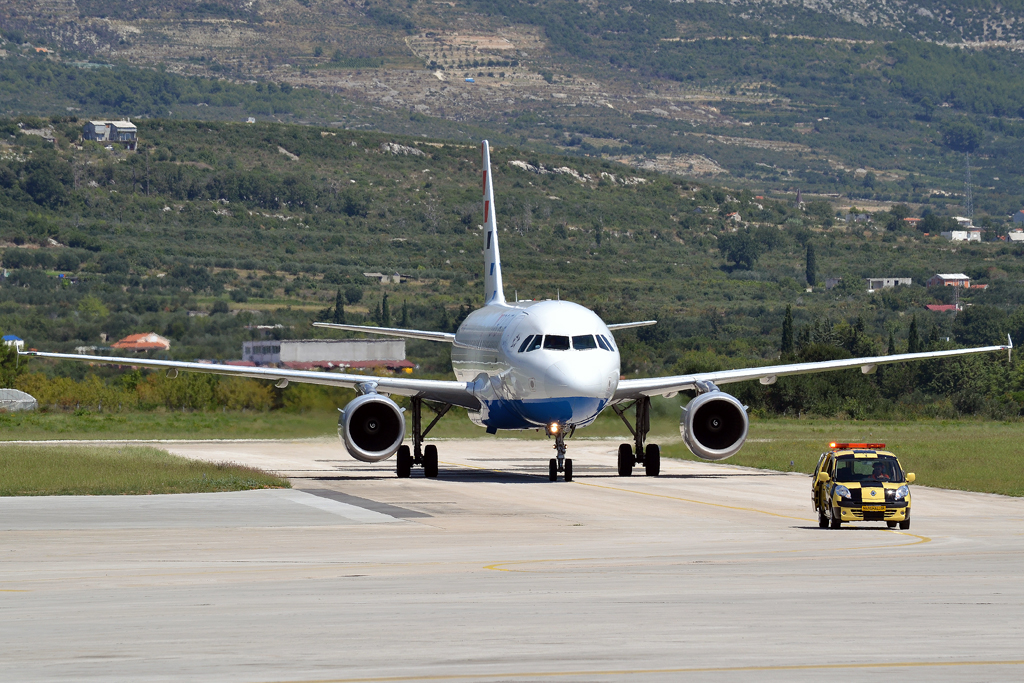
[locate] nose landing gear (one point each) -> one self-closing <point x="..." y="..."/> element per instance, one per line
<point x="560" y="463"/>
<point x="650" y="455"/>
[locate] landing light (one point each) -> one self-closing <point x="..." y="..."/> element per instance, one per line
<point x="552" y="428"/>
<point x="835" y="445"/>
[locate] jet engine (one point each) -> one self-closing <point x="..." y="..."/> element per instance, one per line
<point x="714" y="425"/>
<point x="372" y="427"/>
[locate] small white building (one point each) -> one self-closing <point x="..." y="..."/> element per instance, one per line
<point x="1015" y="235"/>
<point x="124" y="132"/>
<point x="877" y="283"/>
<point x="973" y="235"/>
<point x="336" y="352"/>
<point x="12" y="400"/>
<point x="16" y="342"/>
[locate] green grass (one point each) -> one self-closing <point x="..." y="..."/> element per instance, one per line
<point x="166" y="425"/>
<point x="963" y="455"/>
<point x="969" y="455"/>
<point x="90" y="470"/>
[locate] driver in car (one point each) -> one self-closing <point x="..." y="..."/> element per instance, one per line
<point x="880" y="472"/>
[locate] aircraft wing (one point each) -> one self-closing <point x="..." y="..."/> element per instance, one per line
<point x="668" y="386"/>
<point x="392" y="332"/>
<point x="626" y="326"/>
<point x="456" y="393"/>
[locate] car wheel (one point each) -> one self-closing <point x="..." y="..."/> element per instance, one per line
<point x="822" y="519"/>
<point x="891" y="525"/>
<point x="905" y="524"/>
<point x="834" y="519"/>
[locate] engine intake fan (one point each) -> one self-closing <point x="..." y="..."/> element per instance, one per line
<point x="372" y="427"/>
<point x="714" y="425"/>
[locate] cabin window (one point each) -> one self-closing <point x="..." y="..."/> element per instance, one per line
<point x="526" y="342"/>
<point x="556" y="342"/>
<point x="584" y="341"/>
<point x="535" y="344"/>
<point x="602" y="343"/>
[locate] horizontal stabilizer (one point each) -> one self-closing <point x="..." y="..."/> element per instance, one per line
<point x="392" y="332"/>
<point x="626" y="326"/>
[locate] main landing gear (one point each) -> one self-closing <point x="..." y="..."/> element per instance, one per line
<point x="650" y="455"/>
<point x="425" y="456"/>
<point x="559" y="463"/>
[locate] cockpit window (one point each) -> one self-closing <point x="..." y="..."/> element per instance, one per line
<point x="535" y="344"/>
<point x="602" y="343"/>
<point x="584" y="341"/>
<point x="609" y="342"/>
<point x="526" y="342"/>
<point x="556" y="342"/>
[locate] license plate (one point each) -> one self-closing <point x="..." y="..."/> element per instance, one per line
<point x="873" y="508"/>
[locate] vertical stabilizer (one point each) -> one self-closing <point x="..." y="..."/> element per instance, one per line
<point x="494" y="292"/>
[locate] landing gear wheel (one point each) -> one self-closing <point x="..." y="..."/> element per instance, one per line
<point x="905" y="524"/>
<point x="891" y="525"/>
<point x="552" y="470"/>
<point x="404" y="465"/>
<point x="568" y="469"/>
<point x="625" y="460"/>
<point x="822" y="519"/>
<point x="834" y="519"/>
<point x="430" y="462"/>
<point x="652" y="460"/>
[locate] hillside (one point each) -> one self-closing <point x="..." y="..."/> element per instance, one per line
<point x="861" y="100"/>
<point x="213" y="227"/>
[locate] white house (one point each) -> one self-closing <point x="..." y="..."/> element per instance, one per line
<point x="124" y="132"/>
<point x="973" y="235"/>
<point x="877" y="283"/>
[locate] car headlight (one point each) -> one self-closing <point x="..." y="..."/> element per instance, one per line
<point x="901" y="493"/>
<point x="842" y="492"/>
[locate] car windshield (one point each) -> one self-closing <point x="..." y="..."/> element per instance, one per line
<point x="855" y="470"/>
<point x="584" y="341"/>
<point x="556" y="342"/>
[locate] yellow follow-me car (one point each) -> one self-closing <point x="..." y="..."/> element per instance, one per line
<point x="860" y="482"/>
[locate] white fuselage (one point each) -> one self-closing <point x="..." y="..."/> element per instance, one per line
<point x="536" y="363"/>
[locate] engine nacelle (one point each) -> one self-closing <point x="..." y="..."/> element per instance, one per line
<point x="714" y="425"/>
<point x="372" y="427"/>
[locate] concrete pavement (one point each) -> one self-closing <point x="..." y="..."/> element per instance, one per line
<point x="709" y="572"/>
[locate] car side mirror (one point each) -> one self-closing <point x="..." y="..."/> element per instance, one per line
<point x="910" y="477"/>
<point x="823" y="477"/>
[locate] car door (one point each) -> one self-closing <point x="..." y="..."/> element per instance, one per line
<point x="815" y="484"/>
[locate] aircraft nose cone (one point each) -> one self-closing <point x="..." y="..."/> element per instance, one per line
<point x="583" y="377"/>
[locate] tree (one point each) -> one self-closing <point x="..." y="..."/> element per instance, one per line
<point x="913" y="338"/>
<point x="339" y="309"/>
<point x="890" y="350"/>
<point x="740" y="248"/>
<point x="979" y="325"/>
<point x="812" y="266"/>
<point x="385" y="312"/>
<point x="787" y="333"/>
<point x="960" y="135"/>
<point x="353" y="294"/>
<point x="10" y="368"/>
<point x="405" y="314"/>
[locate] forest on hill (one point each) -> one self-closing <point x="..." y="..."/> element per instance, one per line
<point x="213" y="228"/>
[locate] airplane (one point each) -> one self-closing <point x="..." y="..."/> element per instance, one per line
<point x="551" y="365"/>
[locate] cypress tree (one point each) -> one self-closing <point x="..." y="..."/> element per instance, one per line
<point x="339" y="309"/>
<point x="892" y="345"/>
<point x="405" y="314"/>
<point x="914" y="340"/>
<point x="385" y="313"/>
<point x="812" y="266"/>
<point x="787" y="332"/>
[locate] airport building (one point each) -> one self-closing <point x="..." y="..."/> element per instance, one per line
<point x="327" y="353"/>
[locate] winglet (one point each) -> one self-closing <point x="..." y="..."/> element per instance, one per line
<point x="494" y="292"/>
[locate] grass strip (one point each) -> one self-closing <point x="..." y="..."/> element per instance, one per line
<point x="962" y="455"/>
<point x="29" y="470"/>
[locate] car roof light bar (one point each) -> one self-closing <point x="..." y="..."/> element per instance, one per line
<point x="844" y="446"/>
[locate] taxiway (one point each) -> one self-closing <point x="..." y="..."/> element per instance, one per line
<point x="709" y="572"/>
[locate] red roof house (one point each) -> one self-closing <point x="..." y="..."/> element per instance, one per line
<point x="148" y="341"/>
